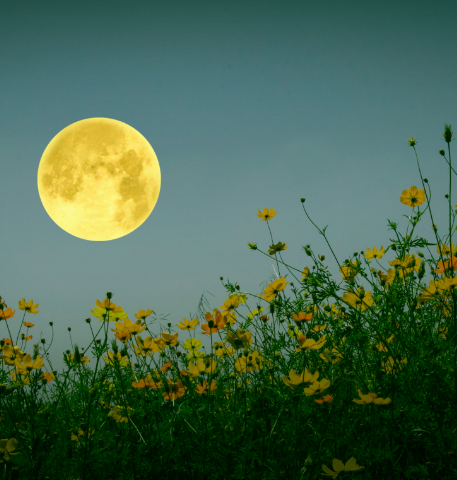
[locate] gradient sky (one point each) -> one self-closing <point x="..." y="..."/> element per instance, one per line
<point x="247" y="104"/>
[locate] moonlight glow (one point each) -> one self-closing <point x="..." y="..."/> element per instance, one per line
<point x="99" y="179"/>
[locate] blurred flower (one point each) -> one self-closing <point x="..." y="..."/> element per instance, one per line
<point x="338" y="466"/>
<point x="371" y="398"/>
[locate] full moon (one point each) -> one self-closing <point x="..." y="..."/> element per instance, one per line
<point x="99" y="179"/>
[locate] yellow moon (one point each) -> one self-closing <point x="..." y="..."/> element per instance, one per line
<point x="99" y="179"/>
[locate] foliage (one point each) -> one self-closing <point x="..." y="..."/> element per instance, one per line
<point x="366" y="387"/>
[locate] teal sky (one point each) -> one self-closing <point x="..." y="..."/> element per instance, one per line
<point x="247" y="105"/>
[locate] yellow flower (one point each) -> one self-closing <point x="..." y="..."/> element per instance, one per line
<point x="192" y="344"/>
<point x="274" y="288"/>
<point x="389" y="364"/>
<point x="445" y="250"/>
<point x="239" y="339"/>
<point x="317" y="387"/>
<point x="357" y="300"/>
<point x="28" y="306"/>
<point x="333" y="356"/>
<point x="349" y="271"/>
<point x="202" y="368"/>
<point x="339" y="466"/>
<point x="266" y="214"/>
<point x="374" y="253"/>
<point x="413" y="197"/>
<point x="310" y="343"/>
<point x="279" y="247"/>
<point x="148" y="345"/>
<point x="250" y="363"/>
<point x="7" y="446"/>
<point x="188" y="325"/>
<point x="108" y="311"/>
<point x="28" y="363"/>
<point x="371" y="398"/>
<point x="296" y="380"/>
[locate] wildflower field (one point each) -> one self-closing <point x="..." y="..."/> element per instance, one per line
<point x="295" y="389"/>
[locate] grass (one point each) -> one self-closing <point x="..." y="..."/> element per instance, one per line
<point x="366" y="388"/>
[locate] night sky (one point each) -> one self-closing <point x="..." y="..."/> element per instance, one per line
<point x="247" y="105"/>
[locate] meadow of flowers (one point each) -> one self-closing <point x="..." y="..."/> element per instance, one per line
<point x="363" y="388"/>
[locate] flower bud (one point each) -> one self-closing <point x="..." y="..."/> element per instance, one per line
<point x="442" y="152"/>
<point x="77" y="356"/>
<point x="421" y="271"/>
<point x="302" y="200"/>
<point x="447" y="133"/>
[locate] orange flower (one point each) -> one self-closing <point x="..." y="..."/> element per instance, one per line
<point x="302" y="316"/>
<point x="447" y="265"/>
<point x="204" y="388"/>
<point x="174" y="390"/>
<point x="8" y="313"/>
<point x="213" y="325"/>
